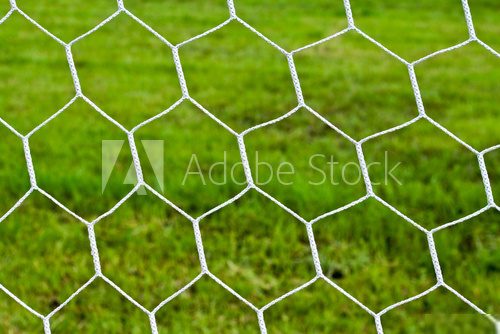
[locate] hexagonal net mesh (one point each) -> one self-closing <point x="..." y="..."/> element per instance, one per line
<point x="251" y="185"/>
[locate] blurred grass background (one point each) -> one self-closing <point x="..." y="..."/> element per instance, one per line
<point x="258" y="249"/>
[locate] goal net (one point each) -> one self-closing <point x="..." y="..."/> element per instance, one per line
<point x="251" y="184"/>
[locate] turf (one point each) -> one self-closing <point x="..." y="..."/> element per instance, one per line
<point x="148" y="249"/>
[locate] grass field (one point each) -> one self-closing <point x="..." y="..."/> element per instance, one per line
<point x="148" y="249"/>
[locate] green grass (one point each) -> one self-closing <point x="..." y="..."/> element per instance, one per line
<point x="261" y="251"/>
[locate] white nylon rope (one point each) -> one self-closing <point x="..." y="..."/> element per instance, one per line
<point x="205" y="271"/>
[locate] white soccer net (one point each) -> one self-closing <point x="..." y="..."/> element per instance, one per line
<point x="122" y="10"/>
